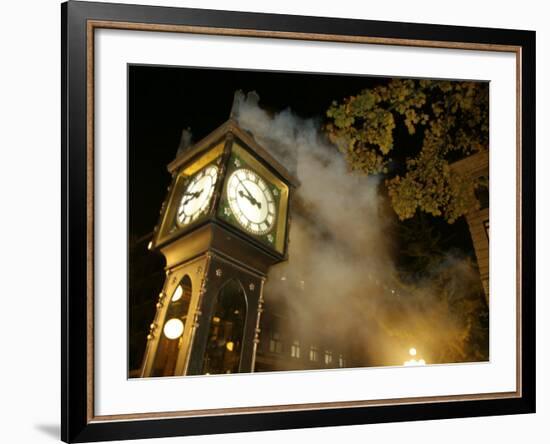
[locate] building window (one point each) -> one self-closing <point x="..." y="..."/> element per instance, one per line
<point x="313" y="353"/>
<point x="341" y="361"/>
<point x="295" y="349"/>
<point x="328" y="357"/>
<point x="275" y="343"/>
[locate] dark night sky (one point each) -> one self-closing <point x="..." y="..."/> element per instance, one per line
<point x="164" y="100"/>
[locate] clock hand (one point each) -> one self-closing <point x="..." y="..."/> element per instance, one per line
<point x="193" y="196"/>
<point x="195" y="193"/>
<point x="250" y="197"/>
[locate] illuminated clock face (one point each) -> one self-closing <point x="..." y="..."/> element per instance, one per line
<point x="251" y="201"/>
<point x="197" y="195"/>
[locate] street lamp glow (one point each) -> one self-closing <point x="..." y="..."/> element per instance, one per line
<point x="413" y="361"/>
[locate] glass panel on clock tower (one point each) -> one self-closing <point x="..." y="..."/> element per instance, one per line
<point x="172" y="330"/>
<point x="225" y="338"/>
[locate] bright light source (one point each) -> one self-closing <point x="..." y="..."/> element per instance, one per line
<point x="177" y="294"/>
<point x="173" y="328"/>
<point x="414" y="362"/>
<point x="230" y="345"/>
<point x="150" y="245"/>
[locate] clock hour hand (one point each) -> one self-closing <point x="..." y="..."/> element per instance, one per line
<point x="193" y="196"/>
<point x="250" y="198"/>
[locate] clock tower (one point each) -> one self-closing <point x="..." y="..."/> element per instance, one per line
<point x="223" y="224"/>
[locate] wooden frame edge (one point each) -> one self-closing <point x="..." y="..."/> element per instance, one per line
<point x="336" y="38"/>
<point x="92" y="25"/>
<point x="78" y="421"/>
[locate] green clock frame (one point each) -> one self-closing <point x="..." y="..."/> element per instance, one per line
<point x="274" y="238"/>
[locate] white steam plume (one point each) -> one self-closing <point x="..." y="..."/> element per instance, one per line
<point x="340" y="280"/>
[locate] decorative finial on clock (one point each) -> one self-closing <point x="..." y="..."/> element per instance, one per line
<point x="238" y="99"/>
<point x="186" y="140"/>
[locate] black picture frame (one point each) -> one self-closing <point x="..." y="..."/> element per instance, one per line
<point x="77" y="425"/>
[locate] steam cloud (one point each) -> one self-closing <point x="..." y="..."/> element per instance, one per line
<point x="340" y="280"/>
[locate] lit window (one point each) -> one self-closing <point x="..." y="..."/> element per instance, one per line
<point x="328" y="357"/>
<point x="275" y="343"/>
<point x="295" y="349"/>
<point x="313" y="353"/>
<point x="341" y="361"/>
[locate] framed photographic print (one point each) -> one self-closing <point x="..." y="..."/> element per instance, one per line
<point x="279" y="221"/>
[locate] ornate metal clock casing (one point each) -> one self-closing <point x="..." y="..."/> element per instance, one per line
<point x="223" y="224"/>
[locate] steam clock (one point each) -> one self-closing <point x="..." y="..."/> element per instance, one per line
<point x="223" y="224"/>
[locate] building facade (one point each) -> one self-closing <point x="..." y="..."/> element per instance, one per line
<point x="476" y="166"/>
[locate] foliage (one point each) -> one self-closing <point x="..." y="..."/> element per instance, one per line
<point x="451" y="120"/>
